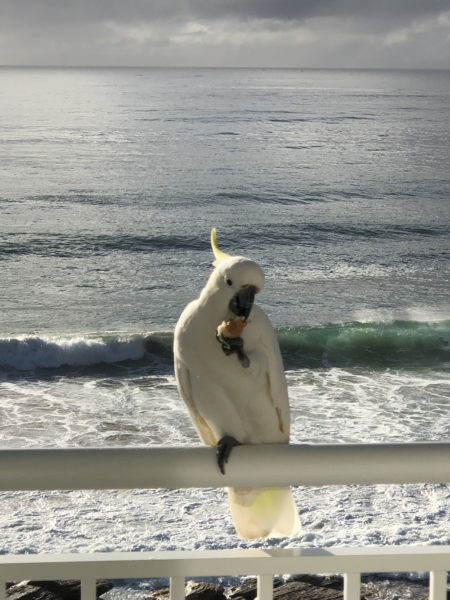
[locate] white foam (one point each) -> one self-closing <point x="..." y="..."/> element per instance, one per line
<point x="28" y="353"/>
<point x="328" y="405"/>
<point x="419" y="314"/>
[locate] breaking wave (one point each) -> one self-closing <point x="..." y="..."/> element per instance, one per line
<point x="33" y="352"/>
<point x="399" y="344"/>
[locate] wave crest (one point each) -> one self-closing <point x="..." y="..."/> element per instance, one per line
<point x="399" y="344"/>
<point x="29" y="353"/>
<point x="394" y="344"/>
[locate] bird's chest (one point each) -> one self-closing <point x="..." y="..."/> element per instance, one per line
<point x="225" y="363"/>
<point x="210" y="363"/>
<point x="244" y="385"/>
<point x="231" y="394"/>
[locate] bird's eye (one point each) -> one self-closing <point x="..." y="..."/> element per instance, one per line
<point x="229" y="282"/>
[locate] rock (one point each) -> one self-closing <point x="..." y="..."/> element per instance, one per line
<point x="247" y="590"/>
<point x="199" y="590"/>
<point x="327" y="581"/>
<point x="302" y="587"/>
<point x="28" y="591"/>
<point x="194" y="590"/>
<point x="159" y="594"/>
<point x="304" y="590"/>
<point x="51" y="590"/>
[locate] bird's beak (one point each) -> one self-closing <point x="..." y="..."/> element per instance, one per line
<point x="241" y="303"/>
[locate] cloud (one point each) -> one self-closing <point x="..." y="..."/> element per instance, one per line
<point x="304" y="9"/>
<point x="304" y="33"/>
<point x="418" y="28"/>
<point x="41" y="12"/>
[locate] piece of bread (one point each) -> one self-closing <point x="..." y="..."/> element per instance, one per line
<point x="232" y="328"/>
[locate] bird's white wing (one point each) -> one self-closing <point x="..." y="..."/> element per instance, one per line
<point x="276" y="386"/>
<point x="184" y="385"/>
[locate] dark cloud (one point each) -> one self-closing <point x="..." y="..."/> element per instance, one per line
<point x="298" y="10"/>
<point x="226" y="32"/>
<point x="35" y="12"/>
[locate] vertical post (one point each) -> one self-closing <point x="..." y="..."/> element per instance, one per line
<point x="438" y="585"/>
<point x="265" y="587"/>
<point x="2" y="590"/>
<point x="352" y="586"/>
<point x="88" y="588"/>
<point x="177" y="588"/>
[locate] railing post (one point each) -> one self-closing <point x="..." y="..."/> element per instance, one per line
<point x="265" y="587"/>
<point x="352" y="586"/>
<point x="177" y="587"/>
<point x="438" y="585"/>
<point x="88" y="588"/>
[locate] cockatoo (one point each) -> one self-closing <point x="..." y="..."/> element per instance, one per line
<point x="230" y="374"/>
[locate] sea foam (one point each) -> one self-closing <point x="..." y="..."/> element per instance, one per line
<point x="28" y="353"/>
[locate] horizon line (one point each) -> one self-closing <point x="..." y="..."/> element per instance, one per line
<point x="222" y="67"/>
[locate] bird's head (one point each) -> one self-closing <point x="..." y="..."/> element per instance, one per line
<point x="237" y="279"/>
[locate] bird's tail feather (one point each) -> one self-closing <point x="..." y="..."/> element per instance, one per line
<point x="263" y="512"/>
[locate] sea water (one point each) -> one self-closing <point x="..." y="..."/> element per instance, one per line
<point x="335" y="182"/>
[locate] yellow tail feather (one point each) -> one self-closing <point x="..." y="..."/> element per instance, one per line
<point x="263" y="512"/>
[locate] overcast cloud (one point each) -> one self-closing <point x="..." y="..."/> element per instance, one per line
<point x="272" y="33"/>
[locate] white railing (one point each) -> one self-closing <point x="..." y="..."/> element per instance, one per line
<point x="119" y="468"/>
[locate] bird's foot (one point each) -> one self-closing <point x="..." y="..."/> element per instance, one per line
<point x="231" y="345"/>
<point x="224" y="448"/>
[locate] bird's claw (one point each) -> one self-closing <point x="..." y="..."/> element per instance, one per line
<point x="224" y="448"/>
<point x="231" y="345"/>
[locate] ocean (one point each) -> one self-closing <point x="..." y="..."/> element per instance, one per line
<point x="335" y="181"/>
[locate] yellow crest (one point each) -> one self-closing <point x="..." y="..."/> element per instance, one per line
<point x="218" y="254"/>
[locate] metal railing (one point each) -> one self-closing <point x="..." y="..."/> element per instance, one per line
<point x="129" y="468"/>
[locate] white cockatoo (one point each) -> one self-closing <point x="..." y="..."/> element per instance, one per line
<point x="230" y="374"/>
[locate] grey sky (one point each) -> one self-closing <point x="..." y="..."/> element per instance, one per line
<point x="291" y="33"/>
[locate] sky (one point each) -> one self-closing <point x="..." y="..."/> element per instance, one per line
<point x="227" y="33"/>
